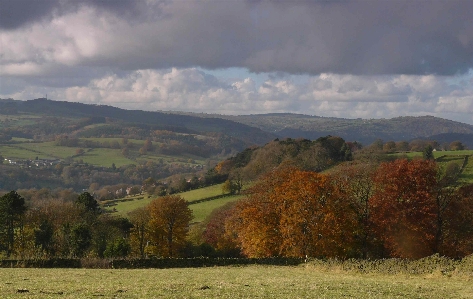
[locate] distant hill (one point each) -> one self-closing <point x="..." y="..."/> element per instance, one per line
<point x="173" y="122"/>
<point x="362" y="130"/>
<point x="261" y="128"/>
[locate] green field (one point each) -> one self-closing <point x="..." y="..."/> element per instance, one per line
<point x="48" y="149"/>
<point x="15" y="152"/>
<point x="467" y="174"/>
<point x="200" y="210"/>
<point x="96" y="156"/>
<point x="302" y="281"/>
<point x="203" y="209"/>
<point x="105" y="157"/>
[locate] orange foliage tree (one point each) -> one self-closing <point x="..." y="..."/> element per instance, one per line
<point x="404" y="207"/>
<point x="292" y="213"/>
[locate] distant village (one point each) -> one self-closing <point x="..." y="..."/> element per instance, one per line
<point x="31" y="163"/>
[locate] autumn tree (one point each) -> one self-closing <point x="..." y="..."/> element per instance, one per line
<point x="403" y="207"/>
<point x="456" y="146"/>
<point x="292" y="213"/>
<point x="389" y="147"/>
<point x="169" y="222"/>
<point x="214" y="233"/>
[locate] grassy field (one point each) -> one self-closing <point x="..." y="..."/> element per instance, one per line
<point x="96" y="156"/>
<point x="437" y="154"/>
<point x="200" y="210"/>
<point x="105" y="157"/>
<point x="41" y="150"/>
<point x="302" y="281"/>
<point x="203" y="209"/>
<point x="467" y="174"/>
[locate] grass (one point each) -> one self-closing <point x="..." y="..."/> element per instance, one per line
<point x="201" y="193"/>
<point x="16" y="152"/>
<point x="48" y="149"/>
<point x="203" y="209"/>
<point x="200" y="210"/>
<point x="303" y="281"/>
<point x="467" y="174"/>
<point x="105" y="157"/>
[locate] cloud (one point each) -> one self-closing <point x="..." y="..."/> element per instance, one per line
<point x="312" y="37"/>
<point x="331" y="58"/>
<point x="346" y="96"/>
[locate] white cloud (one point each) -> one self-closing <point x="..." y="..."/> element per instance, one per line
<point x="346" y="96"/>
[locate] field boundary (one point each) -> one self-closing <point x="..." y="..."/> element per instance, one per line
<point x="156" y="263"/>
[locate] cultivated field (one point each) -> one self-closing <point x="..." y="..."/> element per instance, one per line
<point x="305" y="281"/>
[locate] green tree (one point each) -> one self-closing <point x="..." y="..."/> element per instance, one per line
<point x="81" y="239"/>
<point x="118" y="248"/>
<point x="43" y="236"/>
<point x="87" y="202"/>
<point x="428" y="153"/>
<point x="12" y="208"/>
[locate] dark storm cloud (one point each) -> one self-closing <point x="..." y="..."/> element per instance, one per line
<point x="298" y="37"/>
<point x="17" y="13"/>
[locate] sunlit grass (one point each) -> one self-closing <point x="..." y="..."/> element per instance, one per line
<point x="200" y="210"/>
<point x="204" y="209"/>
<point x="226" y="282"/>
<point x="105" y="157"/>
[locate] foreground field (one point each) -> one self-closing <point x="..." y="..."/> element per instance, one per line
<point x="227" y="282"/>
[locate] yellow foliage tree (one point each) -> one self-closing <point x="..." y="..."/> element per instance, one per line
<point x="169" y="224"/>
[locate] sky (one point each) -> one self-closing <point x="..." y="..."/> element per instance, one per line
<point x="350" y="59"/>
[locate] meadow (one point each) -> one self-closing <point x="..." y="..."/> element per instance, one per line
<point x="27" y="150"/>
<point x="253" y="281"/>
<point x="200" y="210"/>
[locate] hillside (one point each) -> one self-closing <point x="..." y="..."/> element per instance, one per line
<point x="361" y="130"/>
<point x="255" y="129"/>
<point x="159" y="120"/>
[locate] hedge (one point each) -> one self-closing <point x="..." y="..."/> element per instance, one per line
<point x="159" y="263"/>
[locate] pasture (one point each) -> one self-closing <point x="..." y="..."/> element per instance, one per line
<point x="24" y="149"/>
<point x="200" y="210"/>
<point x="254" y="281"/>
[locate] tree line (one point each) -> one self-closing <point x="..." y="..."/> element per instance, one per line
<point x="78" y="228"/>
<point x="401" y="208"/>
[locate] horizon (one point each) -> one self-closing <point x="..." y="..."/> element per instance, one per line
<point x="350" y="59"/>
<point x="236" y="115"/>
